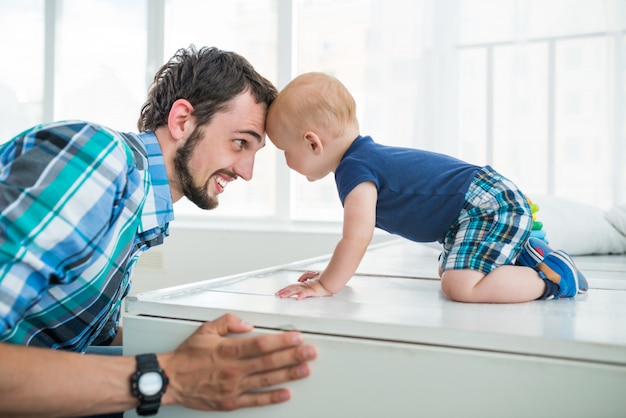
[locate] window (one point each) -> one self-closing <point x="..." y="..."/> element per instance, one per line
<point x="22" y="72"/>
<point x="549" y="112"/>
<point x="534" y="88"/>
<point x="99" y="71"/>
<point x="249" y="28"/>
<point x="375" y="48"/>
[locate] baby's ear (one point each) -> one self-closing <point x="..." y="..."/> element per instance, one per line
<point x="313" y="142"/>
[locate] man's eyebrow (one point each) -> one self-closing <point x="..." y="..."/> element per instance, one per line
<point x="254" y="134"/>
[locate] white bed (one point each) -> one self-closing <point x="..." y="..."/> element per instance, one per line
<point x="391" y="344"/>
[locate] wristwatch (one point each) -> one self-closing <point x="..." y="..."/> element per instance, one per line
<point x="148" y="384"/>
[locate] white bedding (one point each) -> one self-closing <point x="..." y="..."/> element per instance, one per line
<point x="582" y="229"/>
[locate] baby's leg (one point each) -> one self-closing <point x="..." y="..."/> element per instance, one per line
<point x="505" y="284"/>
<point x="481" y="247"/>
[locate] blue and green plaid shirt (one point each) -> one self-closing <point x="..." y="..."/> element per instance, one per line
<point x="78" y="204"/>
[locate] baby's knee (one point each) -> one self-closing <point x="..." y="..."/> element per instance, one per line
<point x="458" y="285"/>
<point x="453" y="289"/>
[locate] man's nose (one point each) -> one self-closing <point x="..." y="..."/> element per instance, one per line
<point x="245" y="167"/>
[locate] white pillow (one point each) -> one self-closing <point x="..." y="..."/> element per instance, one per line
<point x="579" y="228"/>
<point x="617" y="218"/>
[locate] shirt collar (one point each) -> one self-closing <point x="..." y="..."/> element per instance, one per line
<point x="158" y="209"/>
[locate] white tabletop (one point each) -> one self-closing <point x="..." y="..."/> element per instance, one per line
<point x="396" y="296"/>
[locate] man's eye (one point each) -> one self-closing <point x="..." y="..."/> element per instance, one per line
<point x="240" y="142"/>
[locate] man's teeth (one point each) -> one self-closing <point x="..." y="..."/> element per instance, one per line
<point x="223" y="183"/>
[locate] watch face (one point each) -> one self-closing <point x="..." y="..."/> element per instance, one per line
<point x="150" y="383"/>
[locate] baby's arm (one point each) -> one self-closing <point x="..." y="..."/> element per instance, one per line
<point x="359" y="221"/>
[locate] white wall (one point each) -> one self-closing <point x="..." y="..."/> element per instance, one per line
<point x="195" y="252"/>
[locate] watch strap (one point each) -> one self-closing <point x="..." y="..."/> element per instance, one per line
<point x="147" y="408"/>
<point x="148" y="405"/>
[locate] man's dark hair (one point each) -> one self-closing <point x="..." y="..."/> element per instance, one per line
<point x="208" y="78"/>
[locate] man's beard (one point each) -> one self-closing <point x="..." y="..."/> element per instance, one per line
<point x="198" y="195"/>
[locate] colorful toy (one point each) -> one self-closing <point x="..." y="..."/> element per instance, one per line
<point x="537" y="230"/>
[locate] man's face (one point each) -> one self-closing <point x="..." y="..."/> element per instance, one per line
<point x="221" y="151"/>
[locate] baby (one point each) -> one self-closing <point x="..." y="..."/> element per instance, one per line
<point x="480" y="217"/>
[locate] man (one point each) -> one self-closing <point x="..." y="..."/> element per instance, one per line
<point x="78" y="204"/>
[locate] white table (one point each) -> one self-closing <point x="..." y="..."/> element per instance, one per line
<point x="392" y="345"/>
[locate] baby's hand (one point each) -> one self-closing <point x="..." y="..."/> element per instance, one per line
<point x="308" y="275"/>
<point x="310" y="287"/>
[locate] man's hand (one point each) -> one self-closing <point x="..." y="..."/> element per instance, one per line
<point x="210" y="371"/>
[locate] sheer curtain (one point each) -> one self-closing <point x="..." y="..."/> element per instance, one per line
<point x="541" y="94"/>
<point x="383" y="51"/>
<point x="535" y="88"/>
<point x="22" y="72"/>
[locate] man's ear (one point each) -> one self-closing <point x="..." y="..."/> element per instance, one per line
<point x="313" y="142"/>
<point x="180" y="120"/>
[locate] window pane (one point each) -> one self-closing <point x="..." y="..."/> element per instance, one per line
<point x="247" y="27"/>
<point x="487" y="21"/>
<point x="619" y="121"/>
<point x="100" y="65"/>
<point x="374" y="48"/>
<point x="473" y="105"/>
<point x="21" y="75"/>
<point x="585" y="94"/>
<point x="583" y="146"/>
<point x="520" y="110"/>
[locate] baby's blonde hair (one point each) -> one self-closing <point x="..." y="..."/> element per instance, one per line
<point x="314" y="101"/>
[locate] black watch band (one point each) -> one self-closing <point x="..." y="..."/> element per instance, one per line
<point x="148" y="384"/>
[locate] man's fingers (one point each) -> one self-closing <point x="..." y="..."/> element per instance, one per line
<point x="263" y="398"/>
<point x="255" y="395"/>
<point x="270" y="369"/>
<point x="277" y="377"/>
<point x="262" y="345"/>
<point x="224" y="325"/>
<point x="211" y="372"/>
<point x="277" y="352"/>
<point x="284" y="362"/>
<point x="236" y="325"/>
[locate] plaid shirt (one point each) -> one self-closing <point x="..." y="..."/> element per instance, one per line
<point x="78" y="204"/>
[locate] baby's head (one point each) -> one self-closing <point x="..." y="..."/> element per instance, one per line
<point x="314" y="112"/>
